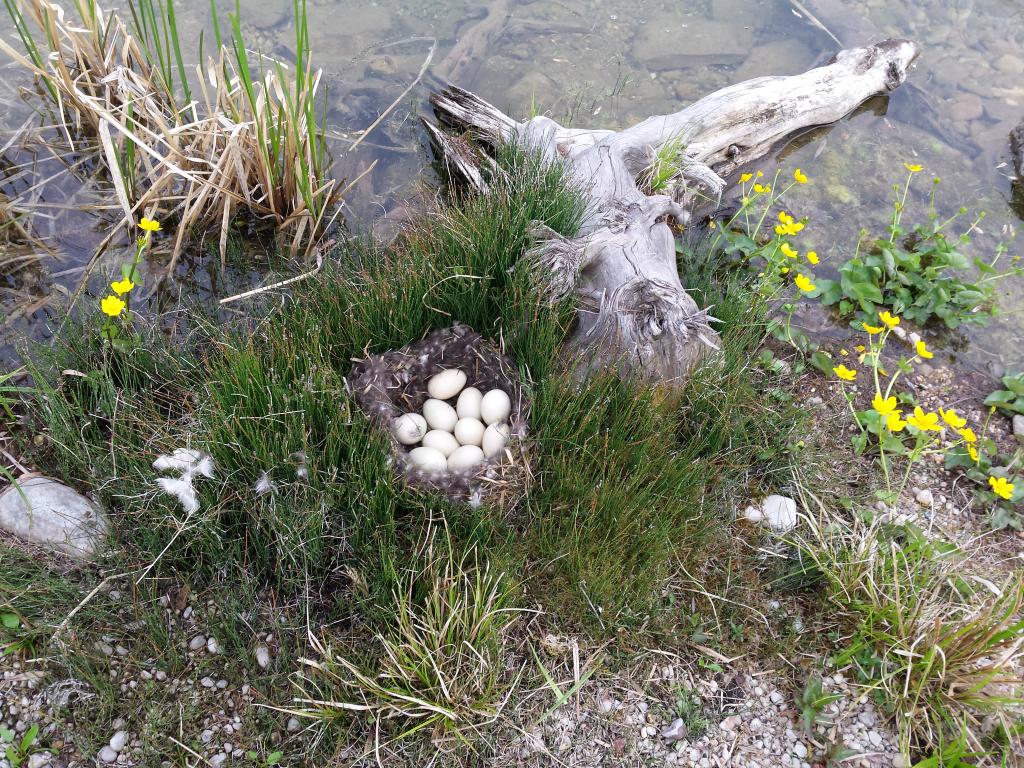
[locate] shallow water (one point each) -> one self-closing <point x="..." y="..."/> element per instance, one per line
<point x="607" y="64"/>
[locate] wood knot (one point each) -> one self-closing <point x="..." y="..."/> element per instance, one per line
<point x="732" y="152"/>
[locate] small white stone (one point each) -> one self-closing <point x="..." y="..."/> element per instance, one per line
<point x="776" y="698"/>
<point x="293" y="724"/>
<point x="924" y="497"/>
<point x="262" y="656"/>
<point x="212" y="646"/>
<point x="118" y="740"/>
<point x="108" y="755"/>
<point x="197" y="642"/>
<point x="800" y="750"/>
<point x="753" y="514"/>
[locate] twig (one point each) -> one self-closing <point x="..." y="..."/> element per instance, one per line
<point x="282" y="283"/>
<point x="402" y="95"/>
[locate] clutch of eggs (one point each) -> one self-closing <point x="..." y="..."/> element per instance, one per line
<point x="446" y="437"/>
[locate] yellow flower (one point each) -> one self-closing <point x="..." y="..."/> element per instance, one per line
<point x="954" y="420"/>
<point x="112" y="306"/>
<point x="968" y="435"/>
<point x="922" y="350"/>
<point x="149" y="225"/>
<point x="760" y="174"/>
<point x="793" y="228"/>
<point x="1001" y="487"/>
<point x="872" y="329"/>
<point x="894" y="422"/>
<point x="844" y="373"/>
<point x="812" y="258"/>
<point x="760" y="188"/>
<point x="122" y="287"/>
<point x="913" y="168"/>
<point x="800" y="176"/>
<point x="926" y="422"/>
<point x="803" y="282"/>
<point x="784" y="270"/>
<point x="973" y="453"/>
<point x="861" y="348"/>
<point x="788" y="250"/>
<point x="884" y="405"/>
<point x="746" y="177"/>
<point x="889" y="319"/>
<point x="785" y="218"/>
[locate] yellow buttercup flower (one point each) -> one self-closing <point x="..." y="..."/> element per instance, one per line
<point x="784" y="270"/>
<point x="149" y="225"/>
<point x="112" y="306"/>
<point x="973" y="453"/>
<point x="121" y="287"/>
<point x="889" y="319"/>
<point x="926" y="422"/>
<point x="968" y="435"/>
<point x="788" y="250"/>
<point x="953" y="419"/>
<point x="894" y="422"/>
<point x="1002" y="487"/>
<point x="844" y="373"/>
<point x="803" y="282"/>
<point x="922" y="350"/>
<point x="760" y="188"/>
<point x="812" y="258"/>
<point x="884" y="405"/>
<point x="913" y="168"/>
<point x="800" y="176"/>
<point x="872" y="329"/>
<point x="746" y="177"/>
<point x="785" y="218"/>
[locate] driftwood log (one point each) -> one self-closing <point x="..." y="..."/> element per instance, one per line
<point x="634" y="314"/>
<point x="1017" y="152"/>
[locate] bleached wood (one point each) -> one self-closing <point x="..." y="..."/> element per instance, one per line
<point x="634" y="313"/>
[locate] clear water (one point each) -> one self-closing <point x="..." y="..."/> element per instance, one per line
<point x="608" y="64"/>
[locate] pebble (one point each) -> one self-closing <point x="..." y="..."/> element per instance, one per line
<point x="293" y="724"/>
<point x="676" y="731"/>
<point x="262" y="656"/>
<point x="924" y="497"/>
<point x="212" y="646"/>
<point x="780" y="513"/>
<point x="118" y="740"/>
<point x="107" y="755"/>
<point x="197" y="642"/>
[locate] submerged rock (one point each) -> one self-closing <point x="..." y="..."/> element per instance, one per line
<point x="50" y="514"/>
<point x="668" y="42"/>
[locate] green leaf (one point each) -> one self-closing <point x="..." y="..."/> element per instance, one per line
<point x="10" y="620"/>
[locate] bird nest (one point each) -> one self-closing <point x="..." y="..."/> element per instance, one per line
<point x="388" y="385"/>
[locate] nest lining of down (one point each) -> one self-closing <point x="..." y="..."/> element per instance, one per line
<point x="387" y="385"/>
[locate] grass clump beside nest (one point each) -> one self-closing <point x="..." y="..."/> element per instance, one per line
<point x="304" y="496"/>
<point x="940" y="650"/>
<point x="246" y="140"/>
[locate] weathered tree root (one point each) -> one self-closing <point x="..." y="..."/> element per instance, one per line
<point x="634" y="314"/>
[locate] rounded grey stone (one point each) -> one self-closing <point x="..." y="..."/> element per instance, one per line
<point x="45" y="512"/>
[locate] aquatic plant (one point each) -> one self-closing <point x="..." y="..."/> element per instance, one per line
<point x="249" y="142"/>
<point x="919" y="273"/>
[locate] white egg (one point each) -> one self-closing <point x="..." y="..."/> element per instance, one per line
<point x="409" y="428"/>
<point x="467" y="456"/>
<point x="494" y="440"/>
<point x="496" y="406"/>
<point x="429" y="459"/>
<point x="469" y="431"/>
<point x="446" y="384"/>
<point x="442" y="441"/>
<point x="439" y="415"/>
<point x="468" y="405"/>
